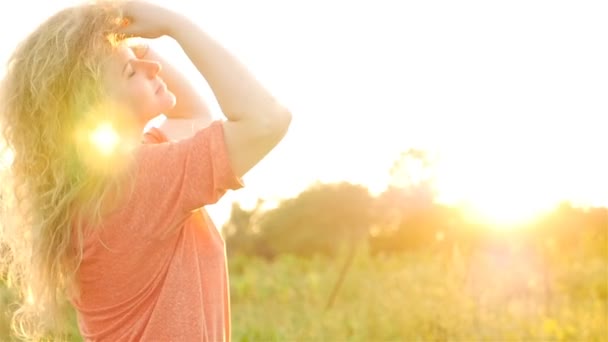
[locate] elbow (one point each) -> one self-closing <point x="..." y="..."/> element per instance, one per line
<point x="283" y="120"/>
<point x="277" y="122"/>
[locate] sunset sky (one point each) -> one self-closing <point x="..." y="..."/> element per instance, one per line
<point x="511" y="96"/>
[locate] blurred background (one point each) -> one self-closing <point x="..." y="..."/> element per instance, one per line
<point x="444" y="177"/>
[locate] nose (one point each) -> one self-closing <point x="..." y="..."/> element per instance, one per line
<point x="151" y="68"/>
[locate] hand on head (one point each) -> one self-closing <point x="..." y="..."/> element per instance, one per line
<point x="146" y="20"/>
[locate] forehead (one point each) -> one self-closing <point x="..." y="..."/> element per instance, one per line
<point x="120" y="55"/>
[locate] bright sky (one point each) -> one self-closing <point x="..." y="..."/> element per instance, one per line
<point x="512" y="95"/>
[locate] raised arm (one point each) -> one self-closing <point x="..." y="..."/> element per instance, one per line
<point x="256" y="120"/>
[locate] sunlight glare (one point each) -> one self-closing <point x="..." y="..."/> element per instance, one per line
<point x="498" y="189"/>
<point x="506" y="213"/>
<point x="30" y="296"/>
<point x="105" y="138"/>
<point x="6" y="157"/>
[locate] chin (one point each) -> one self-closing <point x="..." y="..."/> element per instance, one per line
<point x="166" y="102"/>
<point x="157" y="106"/>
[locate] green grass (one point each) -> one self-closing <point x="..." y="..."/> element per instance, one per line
<point x="417" y="297"/>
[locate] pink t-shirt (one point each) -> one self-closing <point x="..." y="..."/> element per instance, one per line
<point x="157" y="270"/>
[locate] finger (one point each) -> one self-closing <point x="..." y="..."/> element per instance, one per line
<point x="128" y="27"/>
<point x="126" y="21"/>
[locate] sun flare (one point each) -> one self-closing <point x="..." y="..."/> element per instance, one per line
<point x="6" y="156"/>
<point x="499" y="192"/>
<point x="105" y="138"/>
<point x="504" y="215"/>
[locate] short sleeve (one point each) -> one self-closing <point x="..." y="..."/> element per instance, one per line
<point x="175" y="178"/>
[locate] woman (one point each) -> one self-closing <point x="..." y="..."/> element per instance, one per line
<point x="118" y="228"/>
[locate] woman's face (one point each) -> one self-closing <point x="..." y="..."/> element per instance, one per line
<point x="135" y="83"/>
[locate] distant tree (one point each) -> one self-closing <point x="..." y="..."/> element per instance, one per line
<point x="240" y="231"/>
<point x="321" y="220"/>
<point x="597" y="221"/>
<point x="406" y="213"/>
<point x="568" y="228"/>
<point x="413" y="168"/>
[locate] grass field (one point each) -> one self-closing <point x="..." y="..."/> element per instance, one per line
<point x="417" y="297"/>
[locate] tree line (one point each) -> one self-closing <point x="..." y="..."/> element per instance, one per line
<point x="330" y="218"/>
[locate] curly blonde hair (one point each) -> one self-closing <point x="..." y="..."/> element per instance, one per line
<point x="50" y="98"/>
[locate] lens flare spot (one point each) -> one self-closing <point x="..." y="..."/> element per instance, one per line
<point x="105" y="138"/>
<point x="30" y="297"/>
<point x="6" y="157"/>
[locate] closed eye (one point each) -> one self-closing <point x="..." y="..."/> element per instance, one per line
<point x="128" y="69"/>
